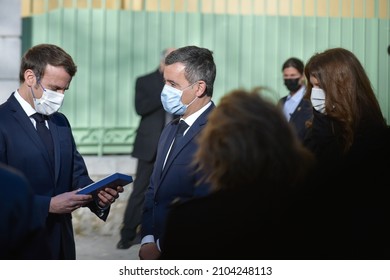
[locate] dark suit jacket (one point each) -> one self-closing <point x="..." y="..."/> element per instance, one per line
<point x="245" y="224"/>
<point x="353" y="187"/>
<point x="21" y="148"/>
<point x="177" y="180"/>
<point x="302" y="114"/>
<point x="20" y="230"/>
<point x="148" y="105"/>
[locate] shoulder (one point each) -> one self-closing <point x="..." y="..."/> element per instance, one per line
<point x="210" y="108"/>
<point x="10" y="112"/>
<point x="147" y="76"/>
<point x="305" y="102"/>
<point x="202" y="117"/>
<point x="4" y="110"/>
<point x="182" y="210"/>
<point x="199" y="204"/>
<point x="13" y="177"/>
<point x="282" y="100"/>
<point x="7" y="105"/>
<point x="59" y="119"/>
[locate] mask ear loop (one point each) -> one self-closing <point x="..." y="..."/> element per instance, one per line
<point x="195" y="96"/>
<point x="192" y="102"/>
<point x="32" y="92"/>
<point x="39" y="83"/>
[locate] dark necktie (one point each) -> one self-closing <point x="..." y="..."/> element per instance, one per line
<point x="182" y="126"/>
<point x="44" y="134"/>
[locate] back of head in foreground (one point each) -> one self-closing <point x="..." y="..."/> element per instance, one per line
<point x="255" y="165"/>
<point x="248" y="142"/>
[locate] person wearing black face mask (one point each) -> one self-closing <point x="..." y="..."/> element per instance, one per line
<point x="296" y="108"/>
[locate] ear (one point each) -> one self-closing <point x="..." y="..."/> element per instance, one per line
<point x="30" y="78"/>
<point x="201" y="90"/>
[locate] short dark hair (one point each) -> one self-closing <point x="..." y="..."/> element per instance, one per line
<point x="199" y="65"/>
<point x="39" y="56"/>
<point x="295" y="63"/>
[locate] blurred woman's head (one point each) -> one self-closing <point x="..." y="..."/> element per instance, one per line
<point x="247" y="142"/>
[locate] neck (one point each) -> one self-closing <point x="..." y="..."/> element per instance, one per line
<point x="198" y="104"/>
<point x="25" y="93"/>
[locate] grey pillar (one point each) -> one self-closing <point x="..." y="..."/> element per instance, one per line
<point x="10" y="46"/>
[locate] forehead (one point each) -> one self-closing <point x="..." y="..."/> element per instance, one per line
<point x="56" y="76"/>
<point x="290" y="71"/>
<point x="175" y="73"/>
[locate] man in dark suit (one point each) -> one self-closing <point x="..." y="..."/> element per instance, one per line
<point x="189" y="76"/>
<point x="257" y="169"/>
<point x="153" y="119"/>
<point x="37" y="140"/>
<point x="296" y="108"/>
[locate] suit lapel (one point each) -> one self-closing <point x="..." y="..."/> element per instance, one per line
<point x="166" y="139"/>
<point x="56" y="141"/>
<point x="188" y="137"/>
<point x="294" y="114"/>
<point x="25" y="123"/>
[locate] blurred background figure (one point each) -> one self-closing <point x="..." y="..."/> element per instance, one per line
<point x="153" y="119"/>
<point x="257" y="167"/>
<point x="350" y="140"/>
<point x="296" y="108"/>
<point x="20" y="230"/>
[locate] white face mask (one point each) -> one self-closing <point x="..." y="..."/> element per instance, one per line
<point x="49" y="103"/>
<point x="318" y="99"/>
<point x="171" y="100"/>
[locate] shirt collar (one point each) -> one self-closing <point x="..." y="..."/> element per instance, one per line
<point x="25" y="105"/>
<point x="298" y="95"/>
<point x="192" y="118"/>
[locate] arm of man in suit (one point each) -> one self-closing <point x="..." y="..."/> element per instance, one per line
<point x="99" y="203"/>
<point x="103" y="200"/>
<point x="149" y="249"/>
<point x="69" y="201"/>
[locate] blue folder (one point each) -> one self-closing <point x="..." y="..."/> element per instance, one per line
<point x="111" y="181"/>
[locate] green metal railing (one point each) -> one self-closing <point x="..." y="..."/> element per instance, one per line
<point x="113" y="42"/>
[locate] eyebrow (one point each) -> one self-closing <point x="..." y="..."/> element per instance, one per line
<point x="56" y="87"/>
<point x="171" y="82"/>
